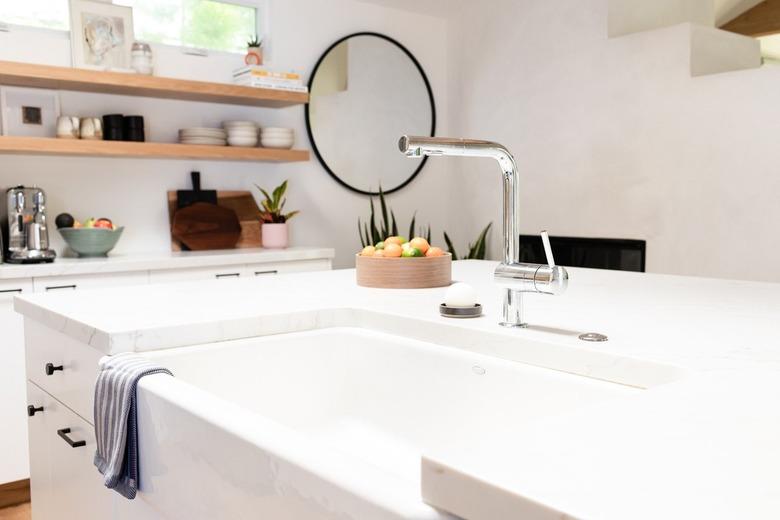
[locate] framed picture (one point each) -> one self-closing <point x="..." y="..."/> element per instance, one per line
<point x="101" y="34"/>
<point x="30" y="112"/>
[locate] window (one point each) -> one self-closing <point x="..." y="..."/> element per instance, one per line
<point x="208" y="24"/>
<point x="48" y="14"/>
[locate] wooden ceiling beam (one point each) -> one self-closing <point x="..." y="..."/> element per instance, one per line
<point x="761" y="20"/>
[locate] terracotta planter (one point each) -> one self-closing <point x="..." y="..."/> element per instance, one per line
<point x="254" y="56"/>
<point x="275" y="236"/>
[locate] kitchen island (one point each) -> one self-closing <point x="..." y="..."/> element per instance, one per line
<point x="690" y="431"/>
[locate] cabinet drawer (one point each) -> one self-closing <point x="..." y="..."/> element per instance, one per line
<point x="198" y="273"/>
<point x="72" y="366"/>
<point x="299" y="266"/>
<point x="92" y="281"/>
<point x="11" y="288"/>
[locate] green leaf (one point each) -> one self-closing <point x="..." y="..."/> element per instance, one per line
<point x="290" y="215"/>
<point x="394" y="225"/>
<point x="450" y="247"/>
<point x="411" y="227"/>
<point x="374" y="231"/>
<point x="385" y="221"/>
<point x="428" y="234"/>
<point x="360" y="234"/>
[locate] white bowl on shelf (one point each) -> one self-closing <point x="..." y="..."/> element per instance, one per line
<point x="268" y="142"/>
<point x="242" y="133"/>
<point x="245" y="142"/>
<point x="203" y="141"/>
<point x="276" y="130"/>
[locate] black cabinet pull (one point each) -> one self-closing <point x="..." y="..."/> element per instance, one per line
<point x="50" y="368"/>
<point x="260" y="273"/>
<point x="31" y="410"/>
<point x="58" y="287"/>
<point x="73" y="444"/>
<point x="228" y="275"/>
<point x="9" y="291"/>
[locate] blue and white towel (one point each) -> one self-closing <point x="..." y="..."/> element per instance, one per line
<point x="116" y="423"/>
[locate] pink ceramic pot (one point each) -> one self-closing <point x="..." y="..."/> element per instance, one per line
<point x="275" y="236"/>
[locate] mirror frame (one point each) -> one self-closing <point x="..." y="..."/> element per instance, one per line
<point x="308" y="120"/>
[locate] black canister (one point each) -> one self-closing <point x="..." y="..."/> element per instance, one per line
<point x="112" y="127"/>
<point x="134" y="128"/>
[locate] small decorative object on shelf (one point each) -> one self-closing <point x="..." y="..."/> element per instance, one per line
<point x="101" y="35"/>
<point x="29" y="112"/>
<point x="68" y="127"/>
<point x="91" y="128"/>
<point x="274" y="229"/>
<point x="254" y="51"/>
<point x="141" y="60"/>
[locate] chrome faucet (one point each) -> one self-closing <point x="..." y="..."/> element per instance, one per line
<point x="515" y="277"/>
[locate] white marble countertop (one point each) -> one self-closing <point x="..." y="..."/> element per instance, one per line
<point x="161" y="260"/>
<point x="700" y="443"/>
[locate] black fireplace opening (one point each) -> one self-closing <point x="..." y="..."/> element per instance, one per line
<point x="597" y="253"/>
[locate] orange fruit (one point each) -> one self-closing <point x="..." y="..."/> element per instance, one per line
<point x="434" y="251"/>
<point x="368" y="251"/>
<point x="394" y="240"/>
<point x="393" y="250"/>
<point x="421" y="244"/>
<point x="379" y="253"/>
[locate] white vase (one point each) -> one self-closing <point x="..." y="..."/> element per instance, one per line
<point x="275" y="236"/>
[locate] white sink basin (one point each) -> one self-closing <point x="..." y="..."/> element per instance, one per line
<point x="328" y="423"/>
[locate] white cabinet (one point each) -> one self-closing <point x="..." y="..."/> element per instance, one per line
<point x="13" y="433"/>
<point x="197" y="273"/>
<point x="89" y="281"/>
<point x="64" y="483"/>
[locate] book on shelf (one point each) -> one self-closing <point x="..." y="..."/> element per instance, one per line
<point x="257" y="71"/>
<point x="292" y="87"/>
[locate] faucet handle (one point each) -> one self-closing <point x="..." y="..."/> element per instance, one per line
<point x="547" y="249"/>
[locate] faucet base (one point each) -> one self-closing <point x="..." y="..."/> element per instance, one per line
<point x="513" y="325"/>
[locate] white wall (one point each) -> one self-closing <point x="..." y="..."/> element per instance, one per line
<point x="614" y="137"/>
<point x="132" y="192"/>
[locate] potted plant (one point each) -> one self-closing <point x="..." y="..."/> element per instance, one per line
<point x="272" y="218"/>
<point x="254" y="51"/>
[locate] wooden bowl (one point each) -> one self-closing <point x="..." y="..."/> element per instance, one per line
<point x="404" y="273"/>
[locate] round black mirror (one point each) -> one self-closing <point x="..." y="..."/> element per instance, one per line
<point x="365" y="91"/>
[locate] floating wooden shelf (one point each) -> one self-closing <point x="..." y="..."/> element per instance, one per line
<point x="84" y="80"/>
<point x="86" y="148"/>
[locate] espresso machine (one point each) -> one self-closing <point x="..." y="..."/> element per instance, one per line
<point x="28" y="234"/>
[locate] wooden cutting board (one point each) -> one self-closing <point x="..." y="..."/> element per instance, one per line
<point x="204" y="227"/>
<point x="245" y="207"/>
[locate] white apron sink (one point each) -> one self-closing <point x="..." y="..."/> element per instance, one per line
<point x="330" y="423"/>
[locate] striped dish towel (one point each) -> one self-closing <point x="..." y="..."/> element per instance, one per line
<point x="116" y="427"/>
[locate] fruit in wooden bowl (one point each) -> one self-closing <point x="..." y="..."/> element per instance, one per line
<point x="396" y="263"/>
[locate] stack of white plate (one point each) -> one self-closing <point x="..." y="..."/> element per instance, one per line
<point x="277" y="137"/>
<point x="200" y="135"/>
<point x="241" y="133"/>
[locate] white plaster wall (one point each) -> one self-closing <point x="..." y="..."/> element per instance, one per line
<point x="132" y="192"/>
<point x="614" y="138"/>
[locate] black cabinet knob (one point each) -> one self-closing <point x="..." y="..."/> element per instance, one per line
<point x="50" y="369"/>
<point x="32" y="409"/>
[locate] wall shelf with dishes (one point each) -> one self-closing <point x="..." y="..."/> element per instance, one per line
<point x="128" y="149"/>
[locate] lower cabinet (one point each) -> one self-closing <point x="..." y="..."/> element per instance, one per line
<point x="13" y="429"/>
<point x="63" y="479"/>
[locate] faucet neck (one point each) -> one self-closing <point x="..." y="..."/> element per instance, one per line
<point x="511" y="219"/>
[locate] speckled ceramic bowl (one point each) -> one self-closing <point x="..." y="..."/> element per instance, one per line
<point x="91" y="242"/>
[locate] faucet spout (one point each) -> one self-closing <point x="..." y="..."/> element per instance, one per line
<point x="514" y="276"/>
<point x="414" y="146"/>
